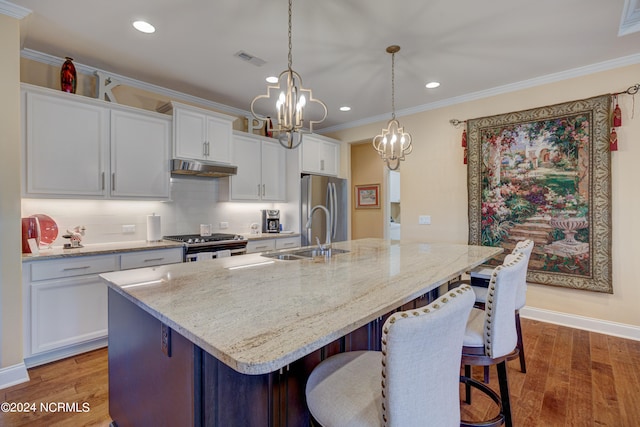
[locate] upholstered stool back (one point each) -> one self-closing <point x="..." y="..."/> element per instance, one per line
<point x="524" y="247"/>
<point x="413" y="382"/>
<point x="500" y="335"/>
<point x="421" y="361"/>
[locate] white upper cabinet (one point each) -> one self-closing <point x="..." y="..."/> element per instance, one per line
<point x="273" y="171"/>
<point x="261" y="170"/>
<point x="81" y="147"/>
<point x="319" y="155"/>
<point x="140" y="150"/>
<point x="247" y="184"/>
<point x="66" y="145"/>
<point x="201" y="134"/>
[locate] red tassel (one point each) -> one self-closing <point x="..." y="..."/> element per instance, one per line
<point x="617" y="116"/>
<point x="464" y="137"/>
<point x="465" y="156"/>
<point x="613" y="140"/>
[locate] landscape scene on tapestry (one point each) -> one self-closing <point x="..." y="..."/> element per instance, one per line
<point x="535" y="185"/>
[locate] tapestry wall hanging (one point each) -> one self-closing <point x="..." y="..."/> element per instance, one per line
<point x="544" y="174"/>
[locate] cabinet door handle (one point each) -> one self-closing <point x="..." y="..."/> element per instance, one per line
<point x="322" y="165"/>
<point x="258" y="190"/>
<point x="208" y="148"/>
<point x="262" y="247"/>
<point x="153" y="259"/>
<point x="103" y="180"/>
<point x="263" y="189"/>
<point x="76" y="268"/>
<point x="113" y="181"/>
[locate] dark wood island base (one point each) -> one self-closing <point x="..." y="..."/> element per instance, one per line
<point x="161" y="378"/>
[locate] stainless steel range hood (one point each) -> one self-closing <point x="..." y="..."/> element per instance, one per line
<point x="193" y="168"/>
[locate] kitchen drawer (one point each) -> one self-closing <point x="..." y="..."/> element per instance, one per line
<point x="73" y="266"/>
<point x="288" y="242"/>
<point x="261" y="245"/>
<point x="150" y="258"/>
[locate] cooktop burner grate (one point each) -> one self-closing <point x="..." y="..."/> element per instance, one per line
<point x="215" y="237"/>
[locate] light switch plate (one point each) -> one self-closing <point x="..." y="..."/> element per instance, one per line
<point x="224" y="225"/>
<point x="424" y="219"/>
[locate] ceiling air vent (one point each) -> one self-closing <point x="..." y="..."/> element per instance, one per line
<point x="250" y="58"/>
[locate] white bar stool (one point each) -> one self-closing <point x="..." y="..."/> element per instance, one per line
<point x="417" y="369"/>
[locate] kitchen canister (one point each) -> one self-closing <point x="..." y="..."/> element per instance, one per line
<point x="154" y="231"/>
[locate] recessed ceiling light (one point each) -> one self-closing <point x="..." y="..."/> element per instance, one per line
<point x="272" y="79"/>
<point x="144" y="27"/>
<point x="432" y="85"/>
<point x="345" y="108"/>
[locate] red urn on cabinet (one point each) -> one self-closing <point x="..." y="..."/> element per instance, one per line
<point x="68" y="77"/>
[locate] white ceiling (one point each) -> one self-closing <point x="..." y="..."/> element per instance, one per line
<point x="470" y="46"/>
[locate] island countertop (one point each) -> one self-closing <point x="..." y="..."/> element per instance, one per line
<point x="257" y="314"/>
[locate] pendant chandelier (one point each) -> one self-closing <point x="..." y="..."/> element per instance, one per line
<point x="290" y="107"/>
<point x="393" y="143"/>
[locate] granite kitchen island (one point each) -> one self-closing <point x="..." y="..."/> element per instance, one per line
<point x="230" y="342"/>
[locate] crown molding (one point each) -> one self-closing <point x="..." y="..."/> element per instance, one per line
<point x="630" y="21"/>
<point x="13" y="10"/>
<point x="512" y="87"/>
<point x="178" y="96"/>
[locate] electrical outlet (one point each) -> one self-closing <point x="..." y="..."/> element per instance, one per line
<point x="129" y="228"/>
<point x="424" y="219"/>
<point x="224" y="225"/>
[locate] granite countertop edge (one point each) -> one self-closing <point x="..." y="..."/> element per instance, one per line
<point x="100" y="249"/>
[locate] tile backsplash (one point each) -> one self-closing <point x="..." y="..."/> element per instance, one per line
<point x="193" y="202"/>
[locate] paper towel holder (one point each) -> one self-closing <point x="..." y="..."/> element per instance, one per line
<point x="154" y="229"/>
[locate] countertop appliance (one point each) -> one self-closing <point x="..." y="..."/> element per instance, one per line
<point x="270" y="221"/>
<point x="217" y="244"/>
<point x="331" y="193"/>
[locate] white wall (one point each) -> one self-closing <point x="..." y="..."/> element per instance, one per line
<point x="10" y="266"/>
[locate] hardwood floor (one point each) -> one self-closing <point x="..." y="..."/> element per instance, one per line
<point x="574" y="378"/>
<point x="83" y="378"/>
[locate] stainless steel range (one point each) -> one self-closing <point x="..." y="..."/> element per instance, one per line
<point x="218" y="244"/>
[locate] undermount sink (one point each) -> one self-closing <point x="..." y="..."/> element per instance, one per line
<point x="306" y="253"/>
<point x="284" y="257"/>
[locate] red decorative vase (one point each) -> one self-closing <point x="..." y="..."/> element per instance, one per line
<point x="68" y="77"/>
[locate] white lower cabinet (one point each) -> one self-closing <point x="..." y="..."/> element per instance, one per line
<point x="288" y="242"/>
<point x="261" y="245"/>
<point x="67" y="311"/>
<point x="65" y="301"/>
<point x="264" y="245"/>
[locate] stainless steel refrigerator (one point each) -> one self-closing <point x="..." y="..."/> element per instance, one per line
<point x="332" y="194"/>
